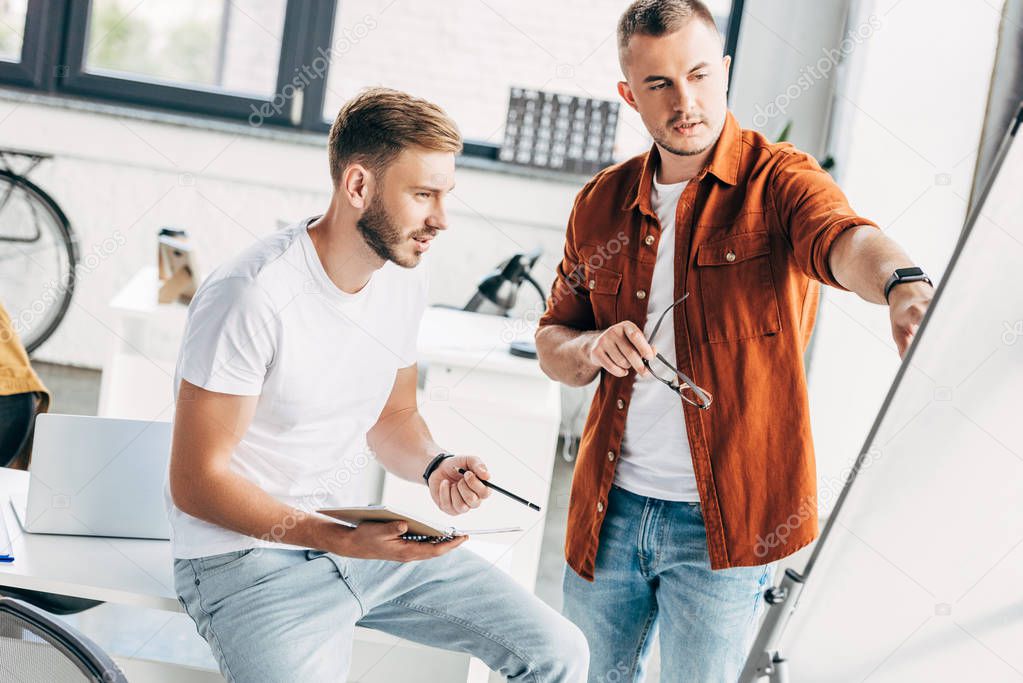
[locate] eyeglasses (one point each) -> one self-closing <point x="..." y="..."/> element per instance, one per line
<point x="678" y="382"/>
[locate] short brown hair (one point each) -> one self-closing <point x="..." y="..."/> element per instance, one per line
<point x="659" y="17"/>
<point x="376" y="125"/>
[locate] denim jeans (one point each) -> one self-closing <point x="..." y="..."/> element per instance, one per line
<point x="653" y="573"/>
<point x="289" y="615"/>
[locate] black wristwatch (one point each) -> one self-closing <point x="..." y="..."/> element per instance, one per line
<point x="434" y="464"/>
<point x="902" y="275"/>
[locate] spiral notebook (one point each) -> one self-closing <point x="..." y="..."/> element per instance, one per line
<point x="418" y="530"/>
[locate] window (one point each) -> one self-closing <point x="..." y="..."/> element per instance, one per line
<point x="12" y="29"/>
<point x="228" y="58"/>
<point x="292" y="63"/>
<point x="225" y="45"/>
<point x="23" y="27"/>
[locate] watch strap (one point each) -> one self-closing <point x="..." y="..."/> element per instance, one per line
<point x="434" y="464"/>
<point x="902" y="276"/>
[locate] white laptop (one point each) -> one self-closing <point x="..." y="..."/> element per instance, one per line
<point x="97" y="476"/>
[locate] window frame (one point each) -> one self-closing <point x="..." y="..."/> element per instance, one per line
<point x="53" y="62"/>
<point x="75" y="79"/>
<point x="42" y="19"/>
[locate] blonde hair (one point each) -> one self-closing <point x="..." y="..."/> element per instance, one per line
<point x="378" y="124"/>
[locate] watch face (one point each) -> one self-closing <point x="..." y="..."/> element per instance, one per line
<point x="907" y="272"/>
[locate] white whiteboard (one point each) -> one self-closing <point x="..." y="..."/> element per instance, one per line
<point x="922" y="576"/>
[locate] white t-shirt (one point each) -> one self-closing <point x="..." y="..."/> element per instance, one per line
<point x="271" y="323"/>
<point x="655" y="458"/>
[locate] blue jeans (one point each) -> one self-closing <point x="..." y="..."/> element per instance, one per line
<point x="289" y="615"/>
<point x="653" y="572"/>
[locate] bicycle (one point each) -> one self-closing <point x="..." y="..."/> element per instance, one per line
<point x="38" y="251"/>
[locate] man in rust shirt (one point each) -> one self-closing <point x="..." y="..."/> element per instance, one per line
<point x="685" y="496"/>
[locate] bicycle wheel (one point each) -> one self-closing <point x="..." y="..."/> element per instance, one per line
<point x="38" y="256"/>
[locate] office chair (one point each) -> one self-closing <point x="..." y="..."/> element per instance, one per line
<point x="51" y="602"/>
<point x="36" y="647"/>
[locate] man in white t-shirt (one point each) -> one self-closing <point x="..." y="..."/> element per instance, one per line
<point x="298" y="363"/>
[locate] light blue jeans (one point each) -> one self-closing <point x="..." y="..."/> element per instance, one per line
<point x="289" y="615"/>
<point x="653" y="572"/>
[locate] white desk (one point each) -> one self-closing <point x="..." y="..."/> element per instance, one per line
<point x="125" y="571"/>
<point x="139" y="573"/>
<point x="138" y="373"/>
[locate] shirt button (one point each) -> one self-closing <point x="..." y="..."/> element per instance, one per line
<point x="641" y="294"/>
<point x="600" y="506"/>
<point x="620" y="403"/>
<point x="649" y="240"/>
<point x="592" y="283"/>
<point x="730" y="256"/>
<point x="611" y="456"/>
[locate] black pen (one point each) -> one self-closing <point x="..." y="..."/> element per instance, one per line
<point x="462" y="470"/>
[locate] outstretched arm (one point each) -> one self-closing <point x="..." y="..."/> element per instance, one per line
<point x="862" y="259"/>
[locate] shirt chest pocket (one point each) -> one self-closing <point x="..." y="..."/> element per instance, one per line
<point x="603" y="286"/>
<point x="737" y="288"/>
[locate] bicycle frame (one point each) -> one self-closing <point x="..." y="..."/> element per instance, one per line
<point x="34" y="160"/>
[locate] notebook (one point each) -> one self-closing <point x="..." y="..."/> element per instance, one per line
<point x="418" y="530"/>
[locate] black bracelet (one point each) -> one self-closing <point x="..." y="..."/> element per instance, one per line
<point x="434" y="464"/>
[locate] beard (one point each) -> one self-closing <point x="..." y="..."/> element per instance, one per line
<point x="663" y="138"/>
<point x="382" y="235"/>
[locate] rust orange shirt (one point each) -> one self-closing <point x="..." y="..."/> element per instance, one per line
<point x="753" y="233"/>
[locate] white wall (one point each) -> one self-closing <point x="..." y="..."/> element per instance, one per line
<point x="784" y="68"/>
